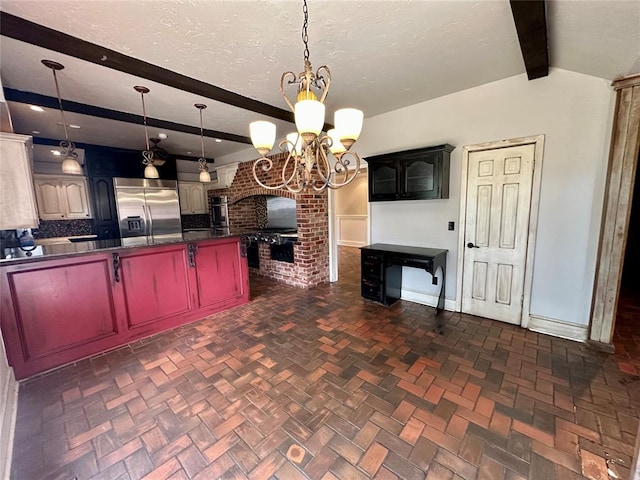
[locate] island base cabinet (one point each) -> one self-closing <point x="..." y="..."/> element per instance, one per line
<point x="156" y="285"/>
<point x="221" y="261"/>
<point x="53" y="312"/>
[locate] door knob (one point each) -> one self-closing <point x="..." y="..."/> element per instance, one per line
<point x="471" y="245"/>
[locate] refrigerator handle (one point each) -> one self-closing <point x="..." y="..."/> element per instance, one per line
<point x="150" y="222"/>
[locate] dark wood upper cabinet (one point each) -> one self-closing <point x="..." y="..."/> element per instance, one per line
<point x="419" y="174"/>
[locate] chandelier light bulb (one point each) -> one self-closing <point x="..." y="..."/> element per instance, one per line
<point x="348" y="124"/>
<point x="263" y="136"/>
<point x="309" y="116"/>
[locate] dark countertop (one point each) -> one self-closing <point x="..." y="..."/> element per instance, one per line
<point x="68" y="249"/>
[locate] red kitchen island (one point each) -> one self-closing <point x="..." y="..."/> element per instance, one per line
<point x="58" y="308"/>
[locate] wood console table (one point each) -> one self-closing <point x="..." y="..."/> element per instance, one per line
<point x="381" y="271"/>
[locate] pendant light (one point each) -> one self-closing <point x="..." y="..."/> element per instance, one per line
<point x="70" y="163"/>
<point x="150" y="170"/>
<point x="205" y="176"/>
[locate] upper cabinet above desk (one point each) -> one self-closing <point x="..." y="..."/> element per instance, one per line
<point x="419" y="174"/>
<point x="62" y="197"/>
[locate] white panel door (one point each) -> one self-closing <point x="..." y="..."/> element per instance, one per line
<point x="499" y="184"/>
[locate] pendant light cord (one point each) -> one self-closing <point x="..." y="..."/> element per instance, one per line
<point x="201" y="134"/>
<point x="64" y="124"/>
<point x="144" y="116"/>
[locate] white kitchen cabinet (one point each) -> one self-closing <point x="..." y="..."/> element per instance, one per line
<point x="192" y="198"/>
<point x="62" y="197"/>
<point x="17" y="198"/>
<point x="222" y="176"/>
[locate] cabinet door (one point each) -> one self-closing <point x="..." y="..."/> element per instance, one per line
<point x="74" y="193"/>
<point x="156" y="284"/>
<point x="421" y="178"/>
<point x="198" y="203"/>
<point x="383" y="180"/>
<point x="62" y="310"/>
<point x="184" y="194"/>
<point x="49" y="198"/>
<point x="219" y="272"/>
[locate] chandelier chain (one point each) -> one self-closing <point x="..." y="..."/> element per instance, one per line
<point x="305" y="35"/>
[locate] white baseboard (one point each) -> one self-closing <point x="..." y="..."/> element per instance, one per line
<point x="426" y="299"/>
<point x="8" y="411"/>
<point x="348" y="243"/>
<point x="558" y="328"/>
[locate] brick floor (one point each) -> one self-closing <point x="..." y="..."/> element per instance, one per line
<point x="319" y="384"/>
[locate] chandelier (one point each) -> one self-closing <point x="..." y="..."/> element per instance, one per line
<point x="314" y="161"/>
<point x="205" y="176"/>
<point x="150" y="170"/>
<point x="70" y="163"/>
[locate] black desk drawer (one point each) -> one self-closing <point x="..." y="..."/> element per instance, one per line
<point x="410" y="262"/>
<point x="371" y="265"/>
<point x="372" y="290"/>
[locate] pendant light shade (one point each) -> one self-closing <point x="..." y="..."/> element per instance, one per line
<point x="205" y="176"/>
<point x="70" y="163"/>
<point x="71" y="166"/>
<point x="150" y="171"/>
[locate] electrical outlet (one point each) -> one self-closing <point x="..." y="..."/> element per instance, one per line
<point x="451" y="225"/>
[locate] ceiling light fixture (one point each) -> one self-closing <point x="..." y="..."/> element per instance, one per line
<point x="308" y="164"/>
<point x="36" y="108"/>
<point x="70" y="163"/>
<point x="205" y="176"/>
<point x="150" y="170"/>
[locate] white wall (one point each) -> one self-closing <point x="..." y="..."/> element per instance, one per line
<point x="574" y="112"/>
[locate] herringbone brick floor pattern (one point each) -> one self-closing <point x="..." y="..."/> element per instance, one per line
<point x="318" y="384"/>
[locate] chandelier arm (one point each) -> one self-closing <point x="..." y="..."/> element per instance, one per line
<point x="290" y="82"/>
<point x="284" y="169"/>
<point x="265" y="168"/>
<point x="325" y="79"/>
<point x="344" y="164"/>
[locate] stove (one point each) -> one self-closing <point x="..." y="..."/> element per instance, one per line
<point x="275" y="236"/>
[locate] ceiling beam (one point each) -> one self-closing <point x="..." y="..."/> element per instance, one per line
<point x="90" y="146"/>
<point x="531" y="24"/>
<point x="41" y="36"/>
<point x="30" y="98"/>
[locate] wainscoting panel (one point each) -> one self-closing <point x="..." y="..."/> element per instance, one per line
<point x="352" y="230"/>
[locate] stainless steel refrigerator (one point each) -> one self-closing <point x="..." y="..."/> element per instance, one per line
<point x="147" y="207"/>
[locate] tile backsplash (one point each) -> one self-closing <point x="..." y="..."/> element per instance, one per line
<point x="195" y="221"/>
<point x="64" y="228"/>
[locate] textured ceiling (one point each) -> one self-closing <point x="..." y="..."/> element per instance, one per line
<point x="383" y="55"/>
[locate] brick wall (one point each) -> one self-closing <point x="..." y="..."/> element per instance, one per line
<point x="246" y="211"/>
